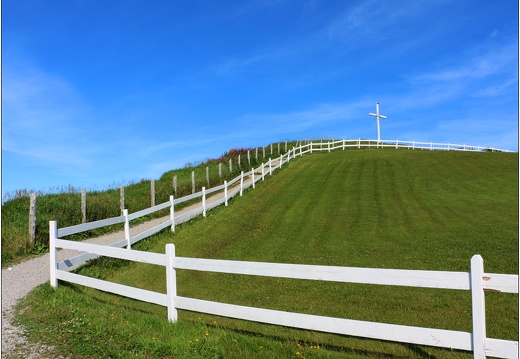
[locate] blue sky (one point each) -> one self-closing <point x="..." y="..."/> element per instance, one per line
<point x="100" y="93"/>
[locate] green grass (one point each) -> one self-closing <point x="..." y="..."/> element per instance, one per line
<point x="370" y="208"/>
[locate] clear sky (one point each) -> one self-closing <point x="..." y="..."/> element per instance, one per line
<point x="101" y="93"/>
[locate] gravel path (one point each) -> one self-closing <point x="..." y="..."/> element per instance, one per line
<point x="20" y="279"/>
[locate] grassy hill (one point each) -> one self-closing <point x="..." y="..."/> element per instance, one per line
<point x="367" y="208"/>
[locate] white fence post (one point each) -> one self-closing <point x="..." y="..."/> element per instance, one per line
<point x="53" y="234"/>
<point x="396" y="144"/>
<point x="359" y="143"/>
<point x="207" y="175"/>
<point x="230" y="165"/>
<point x="127" y="229"/>
<point x="172" y="214"/>
<point x="253" y="176"/>
<point x="262" y="171"/>
<point x="204" y="202"/>
<point x="225" y="192"/>
<point x="281" y="161"/>
<point x="248" y="159"/>
<point x="175" y="185"/>
<point x="311" y="148"/>
<point x="413" y="145"/>
<point x="241" y="183"/>
<point x="192" y="182"/>
<point x="171" y="283"/>
<point x="220" y="170"/>
<point x="478" y="307"/>
<point x="343" y="144"/>
<point x="328" y="145"/>
<point x="270" y="168"/>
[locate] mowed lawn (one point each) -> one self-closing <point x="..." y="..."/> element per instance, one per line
<point x="402" y="209"/>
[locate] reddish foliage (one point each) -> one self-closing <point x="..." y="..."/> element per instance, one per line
<point x="234" y="152"/>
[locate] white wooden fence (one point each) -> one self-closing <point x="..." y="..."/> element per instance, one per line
<point x="308" y="147"/>
<point x="400" y="144"/>
<point x="476" y="280"/>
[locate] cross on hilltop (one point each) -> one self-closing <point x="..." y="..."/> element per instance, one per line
<point x="378" y="122"/>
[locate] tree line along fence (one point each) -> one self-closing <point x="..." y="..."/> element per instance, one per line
<point x="251" y="157"/>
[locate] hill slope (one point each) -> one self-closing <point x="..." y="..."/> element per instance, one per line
<point x="410" y="205"/>
<point x="371" y="208"/>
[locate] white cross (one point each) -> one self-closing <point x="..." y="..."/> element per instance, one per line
<point x="378" y="122"/>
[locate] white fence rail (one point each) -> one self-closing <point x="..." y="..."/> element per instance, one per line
<point x="399" y="144"/>
<point x="477" y="281"/>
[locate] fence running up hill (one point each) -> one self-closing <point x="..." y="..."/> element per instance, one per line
<point x="477" y="281"/>
<point x="228" y="189"/>
<point x="310" y="146"/>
